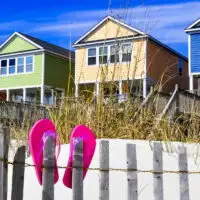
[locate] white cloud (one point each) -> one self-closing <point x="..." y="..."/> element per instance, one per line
<point x="63" y="26"/>
<point x="165" y="22"/>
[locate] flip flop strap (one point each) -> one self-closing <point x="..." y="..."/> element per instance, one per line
<point x="43" y="141"/>
<point x="76" y="141"/>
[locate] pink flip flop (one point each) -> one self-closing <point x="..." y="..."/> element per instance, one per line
<point x="37" y="138"/>
<point x="80" y="132"/>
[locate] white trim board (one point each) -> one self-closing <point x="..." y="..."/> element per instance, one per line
<point x="22" y="87"/>
<point x="102" y="21"/>
<point x="105" y="41"/>
<point x="43" y="68"/>
<point x="24" y="53"/>
<point x="192" y="30"/>
<point x="30" y="86"/>
<point x="193" y="24"/>
<point x="98" y="81"/>
<point x="189" y="53"/>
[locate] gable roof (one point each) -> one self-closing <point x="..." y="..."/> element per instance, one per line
<point x="40" y="44"/>
<point x="103" y="21"/>
<point x="139" y="35"/>
<point x="195" y="26"/>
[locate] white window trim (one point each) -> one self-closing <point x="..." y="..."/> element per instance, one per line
<point x="108" y="49"/>
<point x="121" y="53"/>
<point x="8" y="65"/>
<point x="16" y="64"/>
<point x="108" y="54"/>
<point x="91" y="56"/>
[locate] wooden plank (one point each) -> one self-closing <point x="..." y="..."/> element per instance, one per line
<point x="48" y="171"/>
<point x="167" y="107"/>
<point x="104" y="166"/>
<point x="183" y="177"/>
<point x="18" y="174"/>
<point x="158" y="167"/>
<point x="4" y="145"/>
<point x="144" y="103"/>
<point x="132" y="175"/>
<point x="77" y="173"/>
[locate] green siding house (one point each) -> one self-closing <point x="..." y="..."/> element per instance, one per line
<point x="32" y="70"/>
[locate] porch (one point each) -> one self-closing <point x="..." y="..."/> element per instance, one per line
<point x="39" y="95"/>
<point x="117" y="89"/>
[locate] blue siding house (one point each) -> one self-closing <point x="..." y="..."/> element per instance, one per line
<point x="193" y="32"/>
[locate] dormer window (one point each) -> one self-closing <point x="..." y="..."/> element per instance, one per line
<point x="103" y="55"/>
<point x="92" y="56"/>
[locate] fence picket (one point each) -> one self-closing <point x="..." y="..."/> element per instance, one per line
<point x="158" y="167"/>
<point x="104" y="166"/>
<point x="183" y="177"/>
<point x="132" y="175"/>
<point x="4" y="145"/>
<point x="48" y="171"/>
<point x="18" y="174"/>
<point x="77" y="174"/>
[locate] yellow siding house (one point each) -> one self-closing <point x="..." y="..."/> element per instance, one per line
<point x="113" y="51"/>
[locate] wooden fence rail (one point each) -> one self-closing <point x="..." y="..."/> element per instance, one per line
<point x="77" y="177"/>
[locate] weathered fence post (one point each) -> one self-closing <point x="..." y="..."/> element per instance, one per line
<point x="104" y="167"/>
<point x="183" y="177"/>
<point x="77" y="172"/>
<point x="158" y="167"/>
<point x="132" y="174"/>
<point x="18" y="174"/>
<point x="4" y="145"/>
<point x="48" y="171"/>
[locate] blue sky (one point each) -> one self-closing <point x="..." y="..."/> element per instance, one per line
<point x="55" y="20"/>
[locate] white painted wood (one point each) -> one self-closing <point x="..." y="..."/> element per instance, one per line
<point x="97" y="89"/>
<point x="144" y="87"/>
<point x="42" y="90"/>
<point x="76" y="90"/>
<point x="120" y="87"/>
<point x="7" y="95"/>
<point x="52" y="96"/>
<point x="24" y="94"/>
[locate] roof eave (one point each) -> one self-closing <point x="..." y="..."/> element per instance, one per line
<point x="101" y="22"/>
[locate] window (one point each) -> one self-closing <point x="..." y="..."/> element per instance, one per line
<point x="180" y="66"/>
<point x="20" y="65"/>
<point x="29" y="64"/>
<point x="92" y="56"/>
<point x="114" y="54"/>
<point x="126" y="52"/>
<point x="11" y="66"/>
<point x="103" y="55"/>
<point x="16" y="65"/>
<point x="3" y="67"/>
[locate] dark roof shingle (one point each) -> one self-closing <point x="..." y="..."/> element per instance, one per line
<point x="51" y="47"/>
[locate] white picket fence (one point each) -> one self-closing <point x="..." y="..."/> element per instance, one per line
<point x="104" y="170"/>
